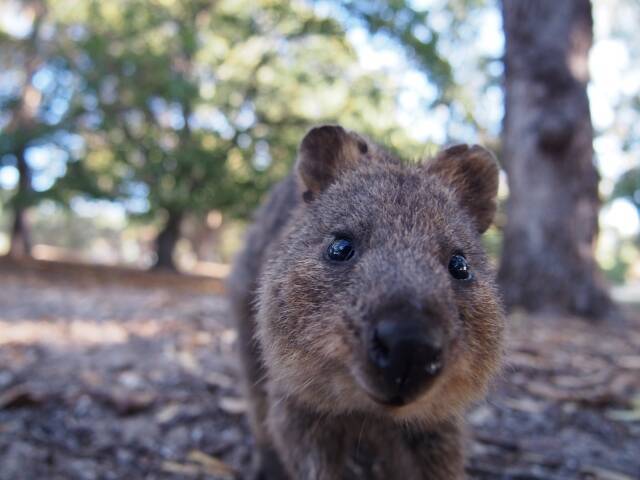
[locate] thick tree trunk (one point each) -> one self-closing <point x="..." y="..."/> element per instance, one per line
<point x="552" y="211"/>
<point x="20" y="246"/>
<point x="165" y="242"/>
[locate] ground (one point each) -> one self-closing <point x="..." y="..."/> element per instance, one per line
<point x="113" y="374"/>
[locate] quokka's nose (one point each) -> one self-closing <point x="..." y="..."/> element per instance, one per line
<point x="406" y="356"/>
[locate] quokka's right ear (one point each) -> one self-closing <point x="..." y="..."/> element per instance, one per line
<point x="472" y="173"/>
<point x="325" y="153"/>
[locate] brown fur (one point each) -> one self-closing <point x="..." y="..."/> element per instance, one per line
<point x="302" y="319"/>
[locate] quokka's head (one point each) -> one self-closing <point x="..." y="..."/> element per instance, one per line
<point x="379" y="297"/>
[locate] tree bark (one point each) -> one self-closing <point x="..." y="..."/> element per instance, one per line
<point x="165" y="242"/>
<point x="20" y="246"/>
<point x="552" y="210"/>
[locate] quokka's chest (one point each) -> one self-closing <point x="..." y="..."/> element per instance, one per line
<point x="372" y="452"/>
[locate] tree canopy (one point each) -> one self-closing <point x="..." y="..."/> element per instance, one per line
<point x="181" y="107"/>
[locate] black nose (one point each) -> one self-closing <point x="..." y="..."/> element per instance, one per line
<point x="406" y="356"/>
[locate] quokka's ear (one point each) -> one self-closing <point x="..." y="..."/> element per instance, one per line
<point x="472" y="173"/>
<point x="325" y="153"/>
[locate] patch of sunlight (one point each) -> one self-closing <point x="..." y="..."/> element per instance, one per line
<point x="628" y="293"/>
<point x="15" y="21"/>
<point x="77" y="332"/>
<point x="211" y="269"/>
<point x="9" y="177"/>
<point x="622" y="216"/>
<point x="4" y="243"/>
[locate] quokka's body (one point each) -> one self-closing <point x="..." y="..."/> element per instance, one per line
<point x="367" y="311"/>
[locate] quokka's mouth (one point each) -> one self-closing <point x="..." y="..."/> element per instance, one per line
<point x="387" y="401"/>
<point x="396" y="401"/>
<point x="380" y="395"/>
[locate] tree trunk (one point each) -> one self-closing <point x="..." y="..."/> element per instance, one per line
<point x="552" y="211"/>
<point x="21" y="130"/>
<point x="165" y="243"/>
<point x="20" y="246"/>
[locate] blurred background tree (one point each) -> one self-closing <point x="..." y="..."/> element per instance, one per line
<point x="145" y="132"/>
<point x="31" y="112"/>
<point x="548" y="258"/>
<point x="184" y="108"/>
<point x="196" y="106"/>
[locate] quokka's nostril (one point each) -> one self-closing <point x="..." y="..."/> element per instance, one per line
<point x="433" y="364"/>
<point x="379" y="351"/>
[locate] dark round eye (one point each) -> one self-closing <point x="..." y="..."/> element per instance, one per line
<point x="459" y="268"/>
<point x="340" y="250"/>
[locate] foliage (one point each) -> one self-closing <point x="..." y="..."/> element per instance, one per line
<point x="30" y="106"/>
<point x="180" y="107"/>
<point x="626" y="101"/>
<point x="628" y="187"/>
<point x="197" y="105"/>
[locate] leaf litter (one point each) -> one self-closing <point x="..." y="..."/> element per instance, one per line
<point x="108" y="375"/>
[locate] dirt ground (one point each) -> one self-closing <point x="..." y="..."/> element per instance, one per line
<point x="111" y="374"/>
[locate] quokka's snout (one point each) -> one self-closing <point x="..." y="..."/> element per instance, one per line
<point x="405" y="352"/>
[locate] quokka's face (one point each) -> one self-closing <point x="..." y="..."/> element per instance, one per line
<point x="379" y="298"/>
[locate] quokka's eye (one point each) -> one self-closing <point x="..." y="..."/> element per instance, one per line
<point x="340" y="250"/>
<point x="459" y="268"/>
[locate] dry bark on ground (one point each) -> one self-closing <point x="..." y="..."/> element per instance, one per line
<point x="110" y="375"/>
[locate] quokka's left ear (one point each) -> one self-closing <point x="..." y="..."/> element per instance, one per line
<point x="472" y="172"/>
<point x="326" y="152"/>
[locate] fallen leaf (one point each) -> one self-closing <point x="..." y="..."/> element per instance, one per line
<point x="624" y="415"/>
<point x="212" y="465"/>
<point x="217" y="379"/>
<point x="180" y="468"/>
<point x="605" y="474"/>
<point x="233" y="405"/>
<point x="129" y="403"/>
<point x="631" y="362"/>
<point x="19" y="396"/>
<point x="524" y="405"/>
<point x="168" y="413"/>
